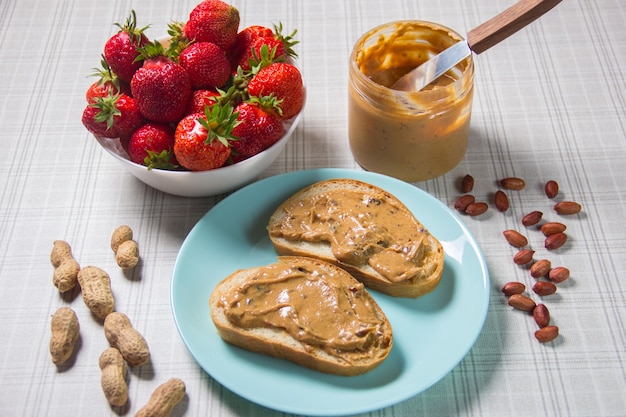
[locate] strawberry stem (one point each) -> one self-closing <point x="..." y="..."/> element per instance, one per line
<point x="105" y="74"/>
<point x="130" y="27"/>
<point x="219" y="121"/>
<point x="288" y="40"/>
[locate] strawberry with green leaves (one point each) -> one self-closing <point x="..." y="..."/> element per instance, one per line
<point x="202" y="140"/>
<point x="200" y="99"/>
<point x="152" y="145"/>
<point x="213" y="21"/>
<point x="241" y="52"/>
<point x="108" y="82"/>
<point x="250" y="41"/>
<point x="161" y="86"/>
<point x="113" y="116"/>
<point x="206" y="64"/>
<point x="121" y="50"/>
<point x="282" y="81"/>
<point x="258" y="128"/>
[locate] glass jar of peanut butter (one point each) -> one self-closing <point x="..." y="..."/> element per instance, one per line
<point x="413" y="136"/>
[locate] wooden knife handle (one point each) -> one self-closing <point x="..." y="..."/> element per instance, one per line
<point x="500" y="27"/>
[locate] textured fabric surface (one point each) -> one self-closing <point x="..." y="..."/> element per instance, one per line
<point x="550" y="103"/>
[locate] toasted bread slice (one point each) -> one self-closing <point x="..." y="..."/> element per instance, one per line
<point x="364" y="230"/>
<point x="304" y="310"/>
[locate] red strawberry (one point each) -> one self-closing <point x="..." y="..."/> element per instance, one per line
<point x="127" y="118"/>
<point x="257" y="130"/>
<point x="161" y="86"/>
<point x="201" y="98"/>
<point x="201" y="140"/>
<point x="250" y="41"/>
<point x="206" y="65"/>
<point x="94" y="125"/>
<point x="153" y="145"/>
<point x="284" y="82"/>
<point x="241" y="52"/>
<point x="120" y="50"/>
<point x="213" y="21"/>
<point x="108" y="82"/>
<point x="118" y="114"/>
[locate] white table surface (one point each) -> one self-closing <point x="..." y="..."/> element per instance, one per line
<point x="549" y="104"/>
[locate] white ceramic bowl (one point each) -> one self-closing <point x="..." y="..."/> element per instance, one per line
<point x="203" y="183"/>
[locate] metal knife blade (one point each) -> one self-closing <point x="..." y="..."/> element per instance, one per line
<point x="479" y="39"/>
<point x="434" y="68"/>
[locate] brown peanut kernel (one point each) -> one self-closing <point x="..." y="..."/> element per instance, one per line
<point x="513" y="183"/>
<point x="501" y="200"/>
<point x="532" y="218"/>
<point x="551" y="189"/>
<point x="541" y="314"/>
<point x="541" y="268"/>
<point x="467" y="184"/>
<point x="551" y="228"/>
<point x="547" y="334"/>
<point x="464" y="201"/>
<point x="555" y="241"/>
<point x="567" y="207"/>
<point x="558" y="274"/>
<point x="515" y="238"/>
<point x="511" y="288"/>
<point x="524" y="256"/>
<point x="521" y="302"/>
<point x="476" y="209"/>
<point x="543" y="288"/>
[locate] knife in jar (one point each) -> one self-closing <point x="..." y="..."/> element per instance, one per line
<point x="479" y="39"/>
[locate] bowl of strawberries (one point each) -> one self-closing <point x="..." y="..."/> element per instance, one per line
<point x="202" y="112"/>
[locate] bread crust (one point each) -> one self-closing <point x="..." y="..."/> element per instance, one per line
<point x="278" y="343"/>
<point x="411" y="288"/>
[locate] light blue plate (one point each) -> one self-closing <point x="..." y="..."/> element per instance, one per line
<point x="431" y="334"/>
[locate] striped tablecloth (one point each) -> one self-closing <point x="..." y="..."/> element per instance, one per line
<point x="550" y="103"/>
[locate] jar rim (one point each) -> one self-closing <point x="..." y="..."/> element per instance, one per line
<point x="463" y="82"/>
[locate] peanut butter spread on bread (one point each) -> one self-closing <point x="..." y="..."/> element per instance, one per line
<point x="317" y="308"/>
<point x="361" y="228"/>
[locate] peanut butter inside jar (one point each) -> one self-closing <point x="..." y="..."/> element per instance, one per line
<point x="413" y="136"/>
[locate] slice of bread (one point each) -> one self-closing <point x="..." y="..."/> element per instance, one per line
<point x="354" y="224"/>
<point x="304" y="310"/>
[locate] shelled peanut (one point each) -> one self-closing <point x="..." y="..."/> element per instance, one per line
<point x="65" y="333"/>
<point x="121" y="334"/>
<point x="113" y="379"/>
<point x="467" y="202"/>
<point x="124" y="247"/>
<point x="163" y="399"/>
<point x="65" y="275"/>
<point x="547" y="277"/>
